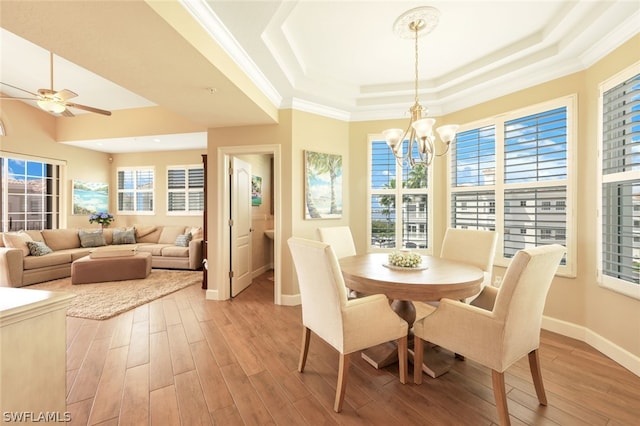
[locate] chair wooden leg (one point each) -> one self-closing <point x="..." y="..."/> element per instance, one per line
<point x="402" y="358"/>
<point x="418" y="347"/>
<point x="536" y="374"/>
<point x="343" y="370"/>
<point x="500" y="395"/>
<point x="306" y="335"/>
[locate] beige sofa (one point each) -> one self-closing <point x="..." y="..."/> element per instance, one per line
<point x="19" y="267"/>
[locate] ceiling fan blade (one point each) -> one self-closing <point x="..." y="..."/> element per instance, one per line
<point x="65" y="94"/>
<point x="10" y="98"/>
<point x="88" y="108"/>
<point x="17" y="88"/>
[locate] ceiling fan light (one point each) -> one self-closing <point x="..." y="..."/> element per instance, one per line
<point x="447" y="133"/>
<point x="51" y="106"/>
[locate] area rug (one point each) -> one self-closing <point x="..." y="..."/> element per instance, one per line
<point x="105" y="300"/>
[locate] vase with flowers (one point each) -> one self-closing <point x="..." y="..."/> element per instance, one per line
<point x="103" y="218"/>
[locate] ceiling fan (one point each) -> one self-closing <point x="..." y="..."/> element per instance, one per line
<point x="52" y="101"/>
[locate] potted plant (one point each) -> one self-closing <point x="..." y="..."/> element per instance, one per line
<point x="103" y="218"/>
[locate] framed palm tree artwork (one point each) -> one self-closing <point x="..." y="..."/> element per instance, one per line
<point x="323" y="185"/>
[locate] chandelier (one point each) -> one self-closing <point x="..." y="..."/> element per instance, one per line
<point x="416" y="23"/>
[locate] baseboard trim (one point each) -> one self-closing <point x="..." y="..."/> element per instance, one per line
<point x="212" y="294"/>
<point x="261" y="270"/>
<point x="620" y="355"/>
<point x="291" y="299"/>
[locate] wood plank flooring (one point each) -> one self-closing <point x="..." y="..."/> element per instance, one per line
<point x="184" y="360"/>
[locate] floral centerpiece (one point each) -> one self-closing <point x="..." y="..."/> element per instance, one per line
<point x="405" y="259"/>
<point x="103" y="218"/>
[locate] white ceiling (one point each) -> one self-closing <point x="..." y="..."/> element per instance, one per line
<point x="339" y="59"/>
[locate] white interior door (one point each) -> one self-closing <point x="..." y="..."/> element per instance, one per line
<point x="241" y="241"/>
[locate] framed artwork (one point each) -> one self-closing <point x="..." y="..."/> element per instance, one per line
<point x="323" y="185"/>
<point x="256" y="190"/>
<point x="90" y="197"/>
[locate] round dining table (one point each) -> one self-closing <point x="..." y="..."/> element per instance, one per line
<point x="434" y="279"/>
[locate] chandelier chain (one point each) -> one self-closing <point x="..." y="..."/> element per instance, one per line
<point x="416" y="65"/>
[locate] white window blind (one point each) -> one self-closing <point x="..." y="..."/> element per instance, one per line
<point x="473" y="198"/>
<point x="185" y="189"/>
<point x="535" y="153"/>
<point x="619" y="265"/>
<point x="390" y="225"/>
<point x="512" y="173"/>
<point x="135" y="190"/>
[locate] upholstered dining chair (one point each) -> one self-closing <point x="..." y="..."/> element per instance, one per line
<point x="474" y="246"/>
<point x="346" y="325"/>
<point x="340" y="238"/>
<point x="501" y="325"/>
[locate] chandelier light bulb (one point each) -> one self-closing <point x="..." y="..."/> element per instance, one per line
<point x="393" y="138"/>
<point x="424" y="127"/>
<point x="447" y="133"/>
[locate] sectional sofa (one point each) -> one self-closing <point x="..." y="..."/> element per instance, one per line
<point x="29" y="257"/>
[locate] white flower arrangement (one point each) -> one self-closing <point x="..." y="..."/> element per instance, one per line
<point x="405" y="259"/>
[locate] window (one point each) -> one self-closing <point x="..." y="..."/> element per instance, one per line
<point x="473" y="196"/>
<point x="619" y="165"/>
<point x="135" y="190"/>
<point x="514" y="168"/>
<point x="393" y="223"/>
<point x="30" y="191"/>
<point x="185" y="190"/>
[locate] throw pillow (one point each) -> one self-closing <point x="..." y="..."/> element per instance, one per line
<point x="183" y="240"/>
<point x="196" y="232"/>
<point x="37" y="248"/>
<point x="17" y="240"/>
<point x="143" y="231"/>
<point x="124" y="236"/>
<point x="92" y="238"/>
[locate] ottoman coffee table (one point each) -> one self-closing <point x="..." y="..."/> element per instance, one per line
<point x="90" y="269"/>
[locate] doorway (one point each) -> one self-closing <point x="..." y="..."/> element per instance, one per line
<point x="224" y="206"/>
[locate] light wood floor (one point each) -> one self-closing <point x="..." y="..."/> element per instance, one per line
<point x="183" y="360"/>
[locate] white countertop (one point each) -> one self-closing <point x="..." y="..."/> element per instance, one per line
<point x="17" y="303"/>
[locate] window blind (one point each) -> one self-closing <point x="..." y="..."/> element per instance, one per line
<point x="621" y="185"/>
<point x="135" y="190"/>
<point x="473" y="210"/>
<point x="533" y="217"/>
<point x="536" y="147"/>
<point x="474" y="157"/>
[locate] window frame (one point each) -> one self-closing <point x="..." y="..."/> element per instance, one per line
<point x="398" y="192"/>
<point x="500" y="188"/>
<point x="58" y="193"/>
<point x="186" y="190"/>
<point x="136" y="191"/>
<point x="618" y="285"/>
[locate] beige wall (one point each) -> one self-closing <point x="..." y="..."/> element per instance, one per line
<point x="124" y="123"/>
<point x="272" y="134"/>
<point x="608" y="314"/>
<point x="578" y="301"/>
<point x="297" y="132"/>
<point x="31" y="132"/>
<point x="159" y="161"/>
